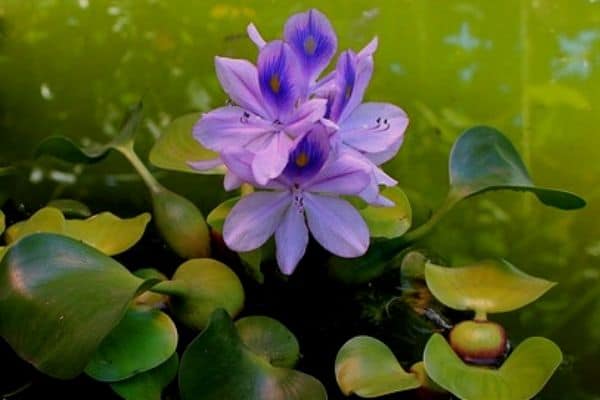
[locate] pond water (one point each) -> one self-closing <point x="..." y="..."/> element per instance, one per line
<point x="529" y="68"/>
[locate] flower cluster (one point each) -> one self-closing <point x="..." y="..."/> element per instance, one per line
<point x="303" y="140"/>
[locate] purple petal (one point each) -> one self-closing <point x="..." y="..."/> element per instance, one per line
<point x="308" y="156"/>
<point x="239" y="163"/>
<point x="203" y="165"/>
<point x="230" y="127"/>
<point x="373" y="127"/>
<point x="382" y="178"/>
<point x="386" y="155"/>
<point x="336" y="225"/>
<point x="313" y="39"/>
<point x="279" y="79"/>
<point x="369" y="49"/>
<point x="231" y="181"/>
<point x="270" y="162"/>
<point x="254" y="219"/>
<point x="345" y="174"/>
<point x="239" y="79"/>
<point x="305" y="116"/>
<point x="255" y="36"/>
<point x="291" y="238"/>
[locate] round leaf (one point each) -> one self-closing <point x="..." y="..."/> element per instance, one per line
<point x="60" y="299"/>
<point x="107" y="232"/>
<point x="144" y="339"/>
<point x="483" y="159"/>
<point x="150" y="384"/>
<point x="269" y="339"/>
<point x="71" y="208"/>
<point x="389" y="222"/>
<point x="521" y="377"/>
<point x="367" y="367"/>
<point x="491" y="286"/>
<point x="199" y="287"/>
<point x="217" y="365"/>
<point x="176" y="147"/>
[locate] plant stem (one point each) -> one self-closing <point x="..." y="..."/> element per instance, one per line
<point x="171" y="288"/>
<point x="132" y="157"/>
<point x="418" y="233"/>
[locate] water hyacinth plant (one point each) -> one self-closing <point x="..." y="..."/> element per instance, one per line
<point x="303" y="137"/>
<point x="303" y="153"/>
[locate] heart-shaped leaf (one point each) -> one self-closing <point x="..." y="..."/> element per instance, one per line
<point x="144" y="339"/>
<point x="367" y="367"/>
<point x="106" y="232"/>
<point x="270" y="339"/>
<point x="71" y="208"/>
<point x="150" y="384"/>
<point x="483" y="159"/>
<point x="60" y="299"/>
<point x="389" y="222"/>
<point x="217" y="365"/>
<point x="66" y="149"/>
<point x="176" y="147"/>
<point x="216" y="218"/>
<point x="199" y="287"/>
<point x="521" y="377"/>
<point x="490" y="286"/>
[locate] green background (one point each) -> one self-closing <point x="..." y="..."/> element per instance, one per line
<point x="529" y="68"/>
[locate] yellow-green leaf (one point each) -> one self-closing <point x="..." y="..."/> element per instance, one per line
<point x="2" y="222"/>
<point x="49" y="220"/>
<point x="521" y="377"/>
<point x="176" y="147"/>
<point x="107" y="232"/>
<point x="367" y="367"/>
<point x="491" y="286"/>
<point x="389" y="222"/>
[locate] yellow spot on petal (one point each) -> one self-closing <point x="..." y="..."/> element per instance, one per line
<point x="302" y="160"/>
<point x="275" y="83"/>
<point x="310" y="45"/>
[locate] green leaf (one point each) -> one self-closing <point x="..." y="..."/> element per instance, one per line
<point x="71" y="208"/>
<point x="389" y="222"/>
<point x="521" y="377"/>
<point x="60" y="299"/>
<point x="252" y="261"/>
<point x="554" y="94"/>
<point x="176" y="147"/>
<point x="217" y="365"/>
<point x="491" y="286"/>
<point x="66" y="149"/>
<point x="216" y="218"/>
<point x="144" y="339"/>
<point x="2" y="222"/>
<point x="483" y="159"/>
<point x="107" y="232"/>
<point x="151" y="299"/>
<point x="269" y="339"/>
<point x="150" y="384"/>
<point x="367" y="367"/>
<point x="199" y="287"/>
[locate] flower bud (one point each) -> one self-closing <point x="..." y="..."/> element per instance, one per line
<point x="479" y="342"/>
<point x="181" y="224"/>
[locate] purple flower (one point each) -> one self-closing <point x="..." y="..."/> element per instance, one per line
<point x="303" y="198"/>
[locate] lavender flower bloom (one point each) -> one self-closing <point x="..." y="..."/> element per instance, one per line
<point x="305" y="194"/>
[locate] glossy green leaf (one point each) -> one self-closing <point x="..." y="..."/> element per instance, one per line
<point x="2" y="222"/>
<point x="367" y="367"/>
<point x="107" y="232"/>
<point x="217" y="365"/>
<point x="216" y="218"/>
<point x="269" y="339"/>
<point x="199" y="287"/>
<point x="490" y="286"/>
<point x="389" y="222"/>
<point x="151" y="299"/>
<point x="521" y="376"/>
<point x="144" y="339"/>
<point x="176" y="147"/>
<point x="484" y="159"/>
<point x="150" y="384"/>
<point x="66" y="149"/>
<point x="71" y="208"/>
<point x="60" y="299"/>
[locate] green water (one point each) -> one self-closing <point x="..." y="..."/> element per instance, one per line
<point x="530" y="68"/>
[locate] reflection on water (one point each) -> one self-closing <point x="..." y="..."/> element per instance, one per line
<point x="530" y="68"/>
